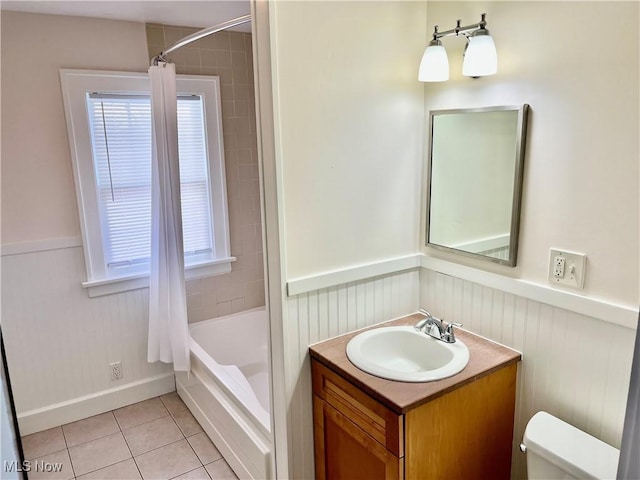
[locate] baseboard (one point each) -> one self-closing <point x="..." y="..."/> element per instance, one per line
<point x="82" y="407"/>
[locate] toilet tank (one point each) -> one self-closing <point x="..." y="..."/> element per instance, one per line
<point x="557" y="450"/>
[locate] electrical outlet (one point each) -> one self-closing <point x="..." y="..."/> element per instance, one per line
<point x="567" y="268"/>
<point x="116" y="370"/>
<point x="558" y="266"/>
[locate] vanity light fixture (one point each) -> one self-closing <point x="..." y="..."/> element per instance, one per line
<point x="480" y="57"/>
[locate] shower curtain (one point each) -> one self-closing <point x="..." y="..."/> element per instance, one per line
<point x="168" y="326"/>
<point x="629" y="466"/>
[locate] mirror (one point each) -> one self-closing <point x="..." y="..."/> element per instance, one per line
<point x="476" y="159"/>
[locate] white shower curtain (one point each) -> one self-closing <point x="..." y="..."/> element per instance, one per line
<point x="168" y="326"/>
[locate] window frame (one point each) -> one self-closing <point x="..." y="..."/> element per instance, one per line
<point x="76" y="84"/>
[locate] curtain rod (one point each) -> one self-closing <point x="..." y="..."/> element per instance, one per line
<point x="198" y="35"/>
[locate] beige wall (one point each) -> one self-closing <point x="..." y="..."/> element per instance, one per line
<point x="44" y="306"/>
<point x="581" y="181"/>
<point x="228" y="55"/>
<point x="59" y="342"/>
<point x="349" y="155"/>
<point x="336" y="67"/>
<point x="581" y="192"/>
<point x="349" y="130"/>
<point x="38" y="194"/>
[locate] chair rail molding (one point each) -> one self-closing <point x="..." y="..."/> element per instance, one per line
<point x="624" y="315"/>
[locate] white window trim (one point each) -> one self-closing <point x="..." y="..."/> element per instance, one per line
<point x="75" y="85"/>
<point x="98" y="288"/>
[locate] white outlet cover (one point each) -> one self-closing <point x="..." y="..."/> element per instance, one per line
<point x="575" y="266"/>
<point x="116" y="370"/>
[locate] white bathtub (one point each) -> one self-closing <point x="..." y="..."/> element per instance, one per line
<point x="227" y="389"/>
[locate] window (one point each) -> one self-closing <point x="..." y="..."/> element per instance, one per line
<point x="109" y="123"/>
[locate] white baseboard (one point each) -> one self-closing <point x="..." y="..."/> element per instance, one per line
<point x="82" y="407"/>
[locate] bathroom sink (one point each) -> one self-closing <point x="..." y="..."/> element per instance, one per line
<point x="405" y="354"/>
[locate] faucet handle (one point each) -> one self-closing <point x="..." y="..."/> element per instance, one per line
<point x="421" y="323"/>
<point x="449" y="335"/>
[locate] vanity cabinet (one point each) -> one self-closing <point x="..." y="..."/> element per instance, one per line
<point x="355" y="436"/>
<point x="370" y="428"/>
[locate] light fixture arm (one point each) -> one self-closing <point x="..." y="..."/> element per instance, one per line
<point x="458" y="30"/>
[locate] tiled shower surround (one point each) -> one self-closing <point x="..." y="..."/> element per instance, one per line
<point x="229" y="56"/>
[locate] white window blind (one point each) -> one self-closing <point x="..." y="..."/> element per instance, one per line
<point x="120" y="127"/>
<point x="109" y="124"/>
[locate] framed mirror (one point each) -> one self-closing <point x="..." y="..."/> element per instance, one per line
<point x="476" y="159"/>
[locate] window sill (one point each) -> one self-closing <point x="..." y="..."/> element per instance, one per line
<point x="98" y="288"/>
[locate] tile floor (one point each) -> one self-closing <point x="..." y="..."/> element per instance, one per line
<point x="154" y="439"/>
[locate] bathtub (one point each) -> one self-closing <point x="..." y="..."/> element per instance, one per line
<point x="227" y="389"/>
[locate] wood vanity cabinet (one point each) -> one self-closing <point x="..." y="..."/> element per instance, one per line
<point x="354" y="435"/>
<point x="460" y="432"/>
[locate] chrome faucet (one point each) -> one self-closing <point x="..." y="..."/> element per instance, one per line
<point x="436" y="328"/>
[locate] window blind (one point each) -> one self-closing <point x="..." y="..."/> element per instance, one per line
<point x="121" y="137"/>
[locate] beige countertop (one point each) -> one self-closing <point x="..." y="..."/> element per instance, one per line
<point x="485" y="357"/>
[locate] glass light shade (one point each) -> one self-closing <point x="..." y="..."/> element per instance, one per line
<point x="480" y="58"/>
<point x="434" y="66"/>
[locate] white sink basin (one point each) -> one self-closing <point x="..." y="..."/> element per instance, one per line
<point x="404" y="354"/>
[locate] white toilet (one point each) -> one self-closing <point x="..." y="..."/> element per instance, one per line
<point x="557" y="450"/>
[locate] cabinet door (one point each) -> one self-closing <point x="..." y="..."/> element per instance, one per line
<point x="367" y="413"/>
<point x="344" y="451"/>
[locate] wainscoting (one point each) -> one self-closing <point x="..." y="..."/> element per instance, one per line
<point x="574" y="366"/>
<point x="321" y="314"/>
<point x="60" y="342"/>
